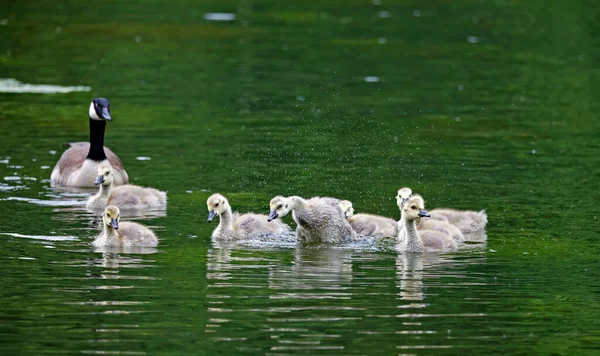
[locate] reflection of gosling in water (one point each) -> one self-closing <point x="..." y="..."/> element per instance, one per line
<point x="466" y="221"/>
<point x="369" y="224"/>
<point x="125" y="196"/>
<point x="233" y="226"/>
<point x="411" y="240"/>
<point x="116" y="233"/>
<point x="318" y="219"/>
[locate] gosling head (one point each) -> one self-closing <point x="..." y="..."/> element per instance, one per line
<point x="217" y="205"/>
<point x="414" y="208"/>
<point x="402" y="197"/>
<point x="111" y="216"/>
<point x="105" y="175"/>
<point x="347" y="209"/>
<point x="100" y="110"/>
<point x="279" y="207"/>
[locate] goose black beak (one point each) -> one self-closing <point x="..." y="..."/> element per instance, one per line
<point x="404" y="200"/>
<point x="272" y="215"/>
<point x="106" y="114"/>
<point x="423" y="213"/>
<point x="211" y="215"/>
<point x="114" y="223"/>
<point x="99" y="180"/>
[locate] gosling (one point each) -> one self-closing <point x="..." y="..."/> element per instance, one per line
<point x="427" y="223"/>
<point x="233" y="226"/>
<point x="317" y="219"/>
<point x="466" y="221"/>
<point x="116" y="233"/>
<point x="368" y="224"/>
<point x="126" y="196"/>
<point x="412" y="240"/>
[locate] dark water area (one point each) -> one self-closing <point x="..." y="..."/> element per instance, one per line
<point x="473" y="104"/>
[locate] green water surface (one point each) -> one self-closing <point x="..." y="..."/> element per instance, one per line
<point x="474" y="104"/>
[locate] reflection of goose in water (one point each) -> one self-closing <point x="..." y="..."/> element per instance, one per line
<point x="314" y="270"/>
<point x="409" y="269"/>
<point x="415" y="271"/>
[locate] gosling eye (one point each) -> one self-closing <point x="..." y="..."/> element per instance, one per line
<point x="217" y="204"/>
<point x="413" y="207"/>
<point x="279" y="206"/>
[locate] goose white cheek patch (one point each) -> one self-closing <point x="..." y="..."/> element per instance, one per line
<point x="92" y="112"/>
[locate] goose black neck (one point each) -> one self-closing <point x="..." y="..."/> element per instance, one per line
<point x="96" y="152"/>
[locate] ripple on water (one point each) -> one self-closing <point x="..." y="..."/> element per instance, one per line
<point x="41" y="237"/>
<point x="10" y="85"/>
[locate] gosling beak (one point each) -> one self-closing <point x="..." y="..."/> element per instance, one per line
<point x="211" y="215"/>
<point x="423" y="213"/>
<point x="106" y="114"/>
<point x="114" y="223"/>
<point x="345" y="215"/>
<point x="99" y="180"/>
<point x="272" y="215"/>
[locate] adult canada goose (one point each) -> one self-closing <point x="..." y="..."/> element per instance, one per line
<point x="126" y="196"/>
<point x="317" y="219"/>
<point x="77" y="166"/>
<point x="369" y="224"/>
<point x="116" y="233"/>
<point x="412" y="240"/>
<point x="233" y="226"/>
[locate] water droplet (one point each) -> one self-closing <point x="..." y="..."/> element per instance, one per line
<point x="417" y="13"/>
<point x="372" y="79"/>
<point x="299" y="98"/>
<point x="472" y="39"/>
<point x="143" y="158"/>
<point x="58" y="29"/>
<point x="382" y="40"/>
<point x="384" y="14"/>
<point x="460" y="87"/>
<point x="219" y="16"/>
<point x="138" y="39"/>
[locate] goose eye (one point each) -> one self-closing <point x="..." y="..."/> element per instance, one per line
<point x="279" y="206"/>
<point x="413" y="207"/>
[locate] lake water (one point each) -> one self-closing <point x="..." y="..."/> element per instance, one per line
<point x="474" y="104"/>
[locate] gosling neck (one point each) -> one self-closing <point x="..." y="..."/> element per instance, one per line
<point x="96" y="152"/>
<point x="297" y="204"/>
<point x="411" y="240"/>
<point x="110" y="232"/>
<point x="104" y="191"/>
<point x="226" y="220"/>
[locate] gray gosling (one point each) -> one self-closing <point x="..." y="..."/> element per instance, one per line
<point x="126" y="196"/>
<point x="425" y="223"/>
<point x="116" y="233"/>
<point x="317" y="219"/>
<point x="77" y="166"/>
<point x="412" y="240"/>
<point x="466" y="221"/>
<point x="233" y="226"/>
<point x="369" y="224"/>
